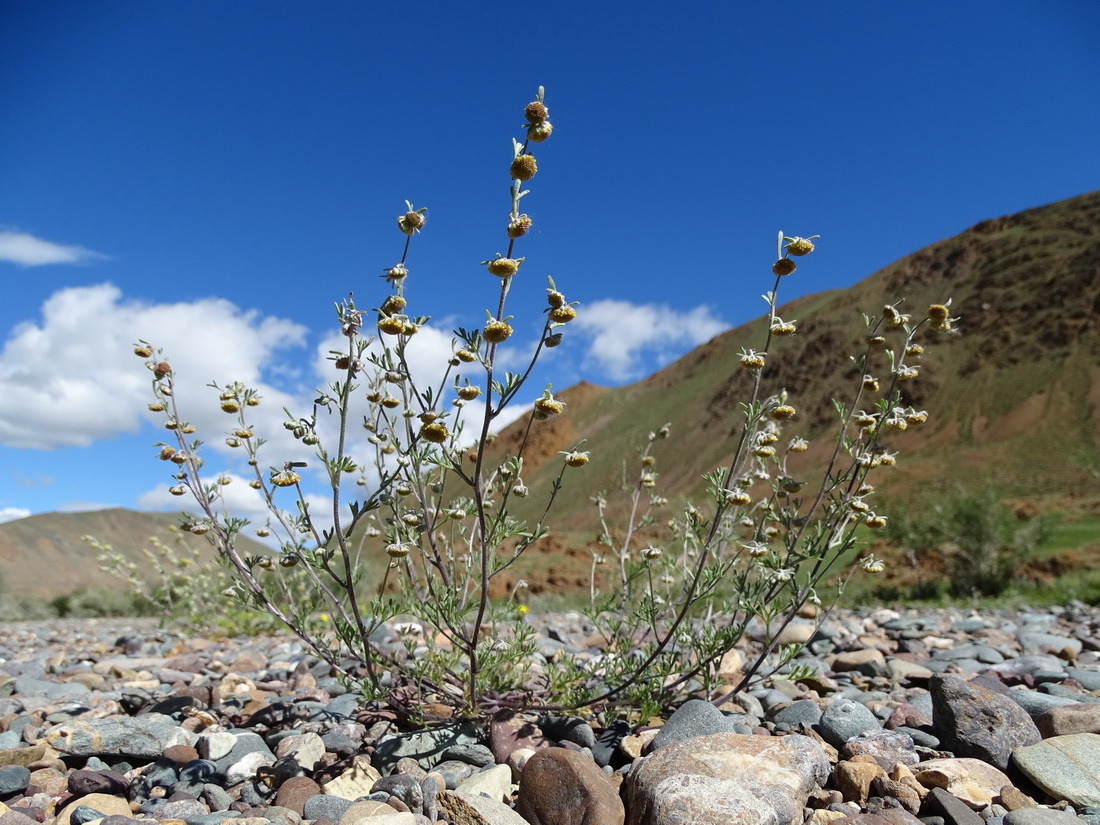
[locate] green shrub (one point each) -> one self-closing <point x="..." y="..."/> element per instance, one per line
<point x="438" y="504"/>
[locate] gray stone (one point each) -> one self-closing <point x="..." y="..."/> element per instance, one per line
<point x="426" y="746"/>
<point x="1035" y="703"/>
<point x="954" y="810"/>
<point x="971" y="721"/>
<point x="693" y="718"/>
<point x="564" y="787"/>
<point x="327" y="807"/>
<point x="1065" y="767"/>
<point x="13" y="780"/>
<point x="1048" y="643"/>
<point x="799" y="712"/>
<point x="144" y="737"/>
<point x="1040" y="816"/>
<point x="724" y="778"/>
<point x="844" y="719"/>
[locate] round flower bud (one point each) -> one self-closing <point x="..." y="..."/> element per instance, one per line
<point x="396" y="273"/>
<point x="167" y="452"/>
<point x="391" y="326"/>
<point x="521" y="490"/>
<point x="503" y="267"/>
<point x="784" y="266"/>
<point x="524" y="168"/>
<point x="231" y="407"/>
<point x="553" y="340"/>
<point x="875" y="341"/>
<point x="157" y="408"/>
<point x="563" y="315"/>
<point x="178" y="490"/>
<point x="800" y="246"/>
<point x="519" y="227"/>
<point x="389" y="402"/>
<point x="142" y="352"/>
<point x="914" y="349"/>
<point x="937" y="314"/>
<point x="540" y="131"/>
<point x="434" y="432"/>
<point x="256" y="484"/>
<point x="870" y="383"/>
<point x="469" y="392"/>
<point x="289" y="560"/>
<point x="161" y="369"/>
<point x="496" y="332"/>
<point x="466" y="356"/>
<point x="171" y="425"/>
<point x="555" y="298"/>
<point x="764" y="451"/>
<point x="536" y="112"/>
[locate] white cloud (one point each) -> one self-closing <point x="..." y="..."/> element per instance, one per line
<point x="72" y="378"/>
<point x="13" y="513"/>
<point x="621" y="335"/>
<point x="23" y="249"/>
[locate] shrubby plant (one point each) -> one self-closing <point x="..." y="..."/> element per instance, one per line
<point x="437" y="502"/>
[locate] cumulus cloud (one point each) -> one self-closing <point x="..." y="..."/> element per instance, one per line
<point x="72" y="378"/>
<point x="13" y="513"/>
<point x="623" y="337"/>
<point x="23" y="249"/>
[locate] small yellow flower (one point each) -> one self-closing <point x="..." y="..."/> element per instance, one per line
<point x="524" y="167"/>
<point x="391" y="326"/>
<point x="156" y="408"/>
<point x="906" y="373"/>
<point x="142" y="352"/>
<point x="800" y="246"/>
<point x="253" y="401"/>
<point x="389" y="402"/>
<point x="555" y="298"/>
<point x="548" y="406"/>
<point x="518" y="227"/>
<point x="870" y="383"/>
<point x="167" y="452"/>
<point x="465" y="355"/>
<point x="798" y="445"/>
<point x="752" y="360"/>
<point x="540" y="132"/>
<point x="469" y="392"/>
<point x="875" y="341"/>
<point x="496" y="332"/>
<point x="914" y="349"/>
<point x="285" y="478"/>
<point x="563" y="315"/>
<point x="575" y="458"/>
<point x="938" y="314"/>
<point x="393" y="304"/>
<point x="522" y="609"/>
<point x="231" y="406"/>
<point x="875" y="522"/>
<point x="650" y="553"/>
<point x="503" y="267"/>
<point x="397" y="550"/>
<point x="783" y="412"/>
<point x="781" y="327"/>
<point x="764" y="451"/>
<point x="737" y="497"/>
<point x="917" y="417"/>
<point x="435" y="432"/>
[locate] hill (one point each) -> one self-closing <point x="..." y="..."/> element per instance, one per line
<point x="44" y="556"/>
<point x="1014" y="400"/>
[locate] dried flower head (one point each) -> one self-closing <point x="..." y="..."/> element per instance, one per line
<point x="784" y="266"/>
<point x="536" y="112"/>
<point x="412" y="221"/>
<point x="540" y="131"/>
<point x="524" y="167"/>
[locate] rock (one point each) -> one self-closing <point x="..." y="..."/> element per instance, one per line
<point x="509" y="730"/>
<point x="887" y="748"/>
<point x="1066" y="767"/>
<point x="853" y="778"/>
<point x="1013" y="799"/>
<point x="494" y="782"/>
<point x="971" y="721"/>
<point x="971" y="780"/>
<point x="723" y="778"/>
<point x="366" y="812"/>
<point x="305" y="749"/>
<point x="102" y="803"/>
<point x="477" y="810"/>
<point x="356" y="781"/>
<point x="1041" y="816"/>
<point x="953" y="809"/>
<point x="693" y="718"/>
<point x="13" y="780"/>
<point x="844" y="719"/>
<point x="143" y="737"/>
<point x="294" y="793"/>
<point x="1064" y="720"/>
<point x="564" y="787"/>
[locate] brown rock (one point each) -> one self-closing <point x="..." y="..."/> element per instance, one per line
<point x="1066" y="719"/>
<point x="853" y="659"/>
<point x="181" y="754"/>
<point x="887" y="816"/>
<point x="105" y="804"/>
<point x="564" y="787"/>
<point x="1013" y="799"/>
<point x="294" y="792"/>
<point x="853" y="778"/>
<point x="508" y="731"/>
<point x="887" y="788"/>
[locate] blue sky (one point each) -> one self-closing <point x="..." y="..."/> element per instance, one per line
<point x="212" y="176"/>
